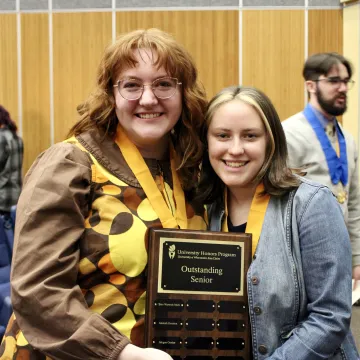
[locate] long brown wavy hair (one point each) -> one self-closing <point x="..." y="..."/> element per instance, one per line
<point x="277" y="177"/>
<point x="98" y="111"/>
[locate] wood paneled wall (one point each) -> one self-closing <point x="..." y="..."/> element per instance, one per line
<point x="273" y="56"/>
<point x="8" y="64"/>
<point x="351" y="36"/>
<point x="58" y="69"/>
<point x="35" y="85"/>
<point x="79" y="40"/>
<point x="325" y="31"/>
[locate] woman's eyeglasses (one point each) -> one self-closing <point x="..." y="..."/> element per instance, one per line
<point x="132" y="89"/>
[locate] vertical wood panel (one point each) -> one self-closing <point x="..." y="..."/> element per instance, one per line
<point x="79" y="40"/>
<point x="351" y="119"/>
<point x="212" y="37"/>
<point x="325" y="31"/>
<point x="8" y="64"/>
<point x="273" y="56"/>
<point x="35" y="85"/>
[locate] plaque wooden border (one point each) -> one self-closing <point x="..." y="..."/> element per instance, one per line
<point x="153" y="333"/>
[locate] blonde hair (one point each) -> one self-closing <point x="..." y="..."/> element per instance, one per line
<point x="274" y="173"/>
<point x="98" y="111"/>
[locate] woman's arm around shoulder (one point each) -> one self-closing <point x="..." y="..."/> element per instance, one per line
<point x="326" y="263"/>
<point x="48" y="304"/>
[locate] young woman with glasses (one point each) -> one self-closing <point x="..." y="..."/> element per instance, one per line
<point x="130" y="163"/>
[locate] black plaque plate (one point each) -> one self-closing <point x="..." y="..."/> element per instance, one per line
<point x="206" y="306"/>
<point x="199" y="343"/>
<point x="167" y="342"/>
<point x="167" y="324"/>
<point x="230" y="343"/>
<point x="196" y="299"/>
<point x="233" y="307"/>
<point x="231" y="325"/>
<point x="200" y="324"/>
<point x="165" y="305"/>
<point x="197" y="267"/>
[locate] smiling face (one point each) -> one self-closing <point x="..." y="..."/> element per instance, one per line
<point x="148" y="120"/>
<point x="237" y="143"/>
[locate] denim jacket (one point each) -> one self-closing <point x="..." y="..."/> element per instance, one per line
<point x="299" y="282"/>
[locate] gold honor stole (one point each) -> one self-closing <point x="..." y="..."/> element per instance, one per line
<point x="341" y="194"/>
<point x="142" y="173"/>
<point x="256" y="215"/>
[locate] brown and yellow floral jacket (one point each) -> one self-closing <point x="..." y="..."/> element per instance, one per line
<point x="80" y="255"/>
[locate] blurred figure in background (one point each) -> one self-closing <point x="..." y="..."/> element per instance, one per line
<point x="317" y="142"/>
<point x="11" y="158"/>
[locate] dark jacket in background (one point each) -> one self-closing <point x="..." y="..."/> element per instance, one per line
<point x="11" y="158"/>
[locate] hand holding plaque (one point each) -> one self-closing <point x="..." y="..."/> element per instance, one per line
<point x="197" y="296"/>
<point x="132" y="352"/>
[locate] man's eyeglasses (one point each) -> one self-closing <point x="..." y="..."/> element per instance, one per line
<point x="132" y="89"/>
<point x="336" y="82"/>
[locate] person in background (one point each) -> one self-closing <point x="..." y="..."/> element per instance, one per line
<point x="11" y="158"/>
<point x="299" y="282"/>
<point x="130" y="163"/>
<point x="317" y="142"/>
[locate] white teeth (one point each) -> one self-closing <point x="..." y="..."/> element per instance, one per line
<point x="235" y="164"/>
<point x="148" y="116"/>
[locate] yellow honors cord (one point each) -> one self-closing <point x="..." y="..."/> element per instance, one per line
<point x="142" y="173"/>
<point x="256" y="215"/>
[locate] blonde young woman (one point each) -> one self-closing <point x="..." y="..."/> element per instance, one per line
<point x="130" y="163"/>
<point x="299" y="282"/>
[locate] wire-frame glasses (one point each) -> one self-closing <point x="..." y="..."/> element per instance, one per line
<point x="132" y="89"/>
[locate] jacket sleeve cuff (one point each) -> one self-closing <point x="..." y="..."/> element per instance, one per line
<point x="119" y="348"/>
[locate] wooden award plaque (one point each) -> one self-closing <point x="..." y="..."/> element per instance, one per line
<point x="197" y="307"/>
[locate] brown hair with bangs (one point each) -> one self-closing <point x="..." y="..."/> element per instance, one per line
<point x="98" y="111"/>
<point x="277" y="178"/>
